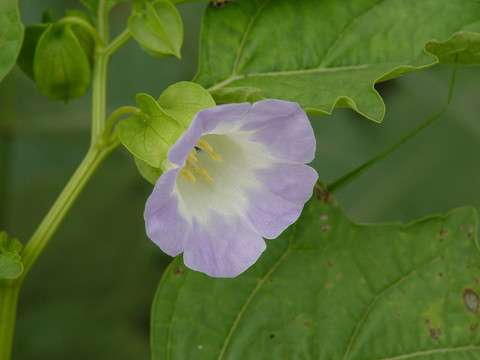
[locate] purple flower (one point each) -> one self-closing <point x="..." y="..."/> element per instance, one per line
<point x="236" y="176"/>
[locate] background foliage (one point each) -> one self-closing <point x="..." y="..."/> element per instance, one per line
<point x="90" y="293"/>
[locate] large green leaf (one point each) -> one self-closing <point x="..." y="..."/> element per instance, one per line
<point x="462" y="48"/>
<point x="323" y="54"/>
<point x="328" y="288"/>
<point x="11" y="35"/>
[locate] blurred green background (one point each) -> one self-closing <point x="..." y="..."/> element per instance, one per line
<point x="89" y="295"/>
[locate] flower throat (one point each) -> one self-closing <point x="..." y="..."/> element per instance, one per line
<point x="192" y="169"/>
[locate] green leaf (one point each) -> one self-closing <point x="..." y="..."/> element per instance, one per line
<point x="158" y="29"/>
<point x="9" y="245"/>
<point x="323" y="54"/>
<point x="329" y="288"/>
<point x="150" y="134"/>
<point x="462" y="48"/>
<point x="11" y="35"/>
<point x="10" y="265"/>
<point x="61" y="67"/>
<point x="237" y="94"/>
<point x="183" y="100"/>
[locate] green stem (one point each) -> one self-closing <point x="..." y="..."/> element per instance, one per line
<point x="9" y="289"/>
<point x="62" y="205"/>
<point x="352" y="175"/>
<point x="118" y="42"/>
<point x="8" y="309"/>
<point x="116" y="114"/>
<point x="99" y="93"/>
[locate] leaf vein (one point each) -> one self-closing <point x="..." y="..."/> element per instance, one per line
<point x="344" y="32"/>
<point x="432" y="352"/>
<point x="254" y="292"/>
<point x="378" y="296"/>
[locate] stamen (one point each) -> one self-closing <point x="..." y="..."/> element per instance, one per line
<point x="204" y="173"/>
<point x="202" y="144"/>
<point x="190" y="177"/>
<point x="192" y="157"/>
<point x="215" y="156"/>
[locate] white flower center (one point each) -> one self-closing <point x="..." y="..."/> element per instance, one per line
<point x="192" y="168"/>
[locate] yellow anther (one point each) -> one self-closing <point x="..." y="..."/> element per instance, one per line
<point x="215" y="156"/>
<point x="190" y="177"/>
<point x="202" y="144"/>
<point x="192" y="157"/>
<point x="204" y="173"/>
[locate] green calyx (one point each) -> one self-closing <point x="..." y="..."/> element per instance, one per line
<point x="59" y="56"/>
<point x="150" y="134"/>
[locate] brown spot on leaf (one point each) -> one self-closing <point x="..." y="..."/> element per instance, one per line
<point x="473" y="327"/>
<point x="272" y="336"/>
<point x="443" y="232"/>
<point x="219" y="4"/>
<point x="329" y="263"/>
<point x="306" y="324"/>
<point x="322" y="193"/>
<point x="326" y="227"/>
<point x="177" y="271"/>
<point x="440" y="274"/>
<point x="434" y="332"/>
<point x="397" y="315"/>
<point x="470" y="300"/>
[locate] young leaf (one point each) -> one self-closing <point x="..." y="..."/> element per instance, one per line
<point x="11" y="35"/>
<point x="150" y="134"/>
<point x="158" y="29"/>
<point x="61" y="67"/>
<point x="329" y="288"/>
<point x="10" y="265"/>
<point x="323" y="54"/>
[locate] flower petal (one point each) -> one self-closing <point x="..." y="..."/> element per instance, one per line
<point x="164" y="223"/>
<point x="218" y="120"/>
<point x="226" y="248"/>
<point x="292" y="182"/>
<point x="283" y="128"/>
